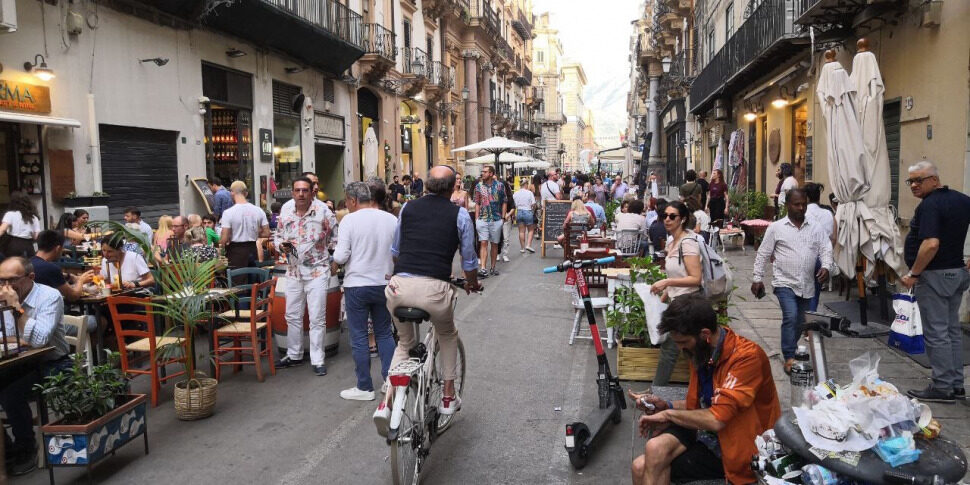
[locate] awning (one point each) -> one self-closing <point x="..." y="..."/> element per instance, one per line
<point x="38" y="119"/>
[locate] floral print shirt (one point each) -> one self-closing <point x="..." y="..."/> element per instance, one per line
<point x="489" y="198"/>
<point x="311" y="235"/>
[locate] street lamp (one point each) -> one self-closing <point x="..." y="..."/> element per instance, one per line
<point x="465" y="93"/>
<point x="417" y="66"/>
<point x="665" y="63"/>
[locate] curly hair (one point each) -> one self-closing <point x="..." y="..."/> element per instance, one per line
<point x="20" y="202"/>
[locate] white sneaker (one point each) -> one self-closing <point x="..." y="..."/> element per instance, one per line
<point x="556" y="246"/>
<point x="382" y="418"/>
<point x="449" y="405"/>
<point x="354" y="394"/>
<point x="505" y="258"/>
<point x="522" y="250"/>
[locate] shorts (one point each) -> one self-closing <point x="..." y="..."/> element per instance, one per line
<point x="523" y="216"/>
<point x="490" y="231"/>
<point x="698" y="462"/>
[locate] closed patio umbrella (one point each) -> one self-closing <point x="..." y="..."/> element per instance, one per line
<point x="370" y="153"/>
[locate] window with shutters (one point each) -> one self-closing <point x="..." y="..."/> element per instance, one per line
<point x="287" y="136"/>
<point x="430" y="51"/>
<point x="728" y="21"/>
<point x="407" y="34"/>
<point x="890" y="120"/>
<point x="328" y="90"/>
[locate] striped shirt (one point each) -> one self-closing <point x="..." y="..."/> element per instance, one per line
<point x="44" y="307"/>
<point x="795" y="250"/>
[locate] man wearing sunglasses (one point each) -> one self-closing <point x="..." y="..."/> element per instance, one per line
<point x="934" y="253"/>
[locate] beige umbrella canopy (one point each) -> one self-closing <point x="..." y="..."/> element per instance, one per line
<point x="496" y="145"/>
<point x="504" y="157"/>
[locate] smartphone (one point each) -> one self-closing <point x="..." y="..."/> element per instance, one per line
<point x="761" y="293"/>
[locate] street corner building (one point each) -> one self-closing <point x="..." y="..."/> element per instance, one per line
<point x="117" y="103"/>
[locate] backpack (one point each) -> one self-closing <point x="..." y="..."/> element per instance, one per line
<point x="716" y="279"/>
<point x="692" y="195"/>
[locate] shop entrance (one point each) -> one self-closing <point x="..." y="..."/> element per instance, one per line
<point x="139" y="167"/>
<point x="330" y="170"/>
<point x="8" y="162"/>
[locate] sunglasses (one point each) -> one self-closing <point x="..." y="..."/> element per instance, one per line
<point x="671" y="216"/>
<point x="918" y="180"/>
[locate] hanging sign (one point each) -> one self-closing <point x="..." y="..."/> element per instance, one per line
<point x="20" y="96"/>
<point x="265" y="145"/>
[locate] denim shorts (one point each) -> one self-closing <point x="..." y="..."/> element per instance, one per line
<point x="523" y="216"/>
<point x="490" y="231"/>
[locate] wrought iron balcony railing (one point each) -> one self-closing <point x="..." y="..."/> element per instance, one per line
<point x="327" y="14"/>
<point x="768" y="30"/>
<point x="438" y="74"/>
<point x="523" y="25"/>
<point x="526" y="78"/>
<point x="415" y="61"/>
<point x="482" y="9"/>
<point x="379" y="40"/>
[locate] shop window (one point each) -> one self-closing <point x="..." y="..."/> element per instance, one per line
<point x="800" y="158"/>
<point x="228" y="124"/>
<point x="287" y="136"/>
<point x="728" y="21"/>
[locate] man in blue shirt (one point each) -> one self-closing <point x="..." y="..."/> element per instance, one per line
<point x="50" y="244"/>
<point x="223" y="198"/>
<point x="934" y="253"/>
<point x="37" y="312"/>
<point x="598" y="211"/>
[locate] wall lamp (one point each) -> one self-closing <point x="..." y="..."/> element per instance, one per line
<point x="749" y="114"/>
<point x="465" y="93"/>
<point x="782" y="100"/>
<point x="39" y="68"/>
<point x="159" y="61"/>
<point x="233" y="52"/>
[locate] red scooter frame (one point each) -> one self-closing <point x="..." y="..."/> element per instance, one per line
<point x="580" y="437"/>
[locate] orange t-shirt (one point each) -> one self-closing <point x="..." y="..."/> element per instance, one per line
<point x="745" y="400"/>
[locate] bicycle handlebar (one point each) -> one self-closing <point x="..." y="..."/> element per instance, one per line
<point x="578" y="264"/>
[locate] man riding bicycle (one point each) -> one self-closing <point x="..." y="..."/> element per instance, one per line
<point x="429" y="231"/>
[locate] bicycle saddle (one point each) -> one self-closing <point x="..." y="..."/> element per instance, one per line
<point x="411" y="314"/>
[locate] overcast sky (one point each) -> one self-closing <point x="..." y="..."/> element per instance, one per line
<point x="594" y="32"/>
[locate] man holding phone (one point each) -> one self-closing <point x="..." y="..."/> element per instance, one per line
<point x="794" y="244"/>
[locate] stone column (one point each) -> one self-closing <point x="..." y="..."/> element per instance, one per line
<point x="485" y="100"/>
<point x="471" y="104"/>
<point x="654" y="124"/>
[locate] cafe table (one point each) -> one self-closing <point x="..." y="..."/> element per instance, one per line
<point x="15" y="366"/>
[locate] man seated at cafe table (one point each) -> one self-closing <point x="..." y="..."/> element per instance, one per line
<point x="37" y="313"/>
<point x="731" y="399"/>
<point x="50" y="245"/>
<point x="133" y="216"/>
<point x="134" y="270"/>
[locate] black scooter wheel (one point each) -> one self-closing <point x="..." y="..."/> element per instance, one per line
<point x="580" y="455"/>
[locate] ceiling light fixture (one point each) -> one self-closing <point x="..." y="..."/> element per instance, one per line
<point x="39" y="68"/>
<point x="159" y="61"/>
<point x="233" y="52"/>
<point x="782" y="100"/>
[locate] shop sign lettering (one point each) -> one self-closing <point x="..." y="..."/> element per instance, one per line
<point x="328" y="126"/>
<point x="24" y="97"/>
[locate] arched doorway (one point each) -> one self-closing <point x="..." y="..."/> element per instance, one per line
<point x="368" y="115"/>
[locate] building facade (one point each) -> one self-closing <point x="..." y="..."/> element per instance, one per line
<point x="547" y="55"/>
<point x="573" y="82"/>
<point x="146" y="99"/>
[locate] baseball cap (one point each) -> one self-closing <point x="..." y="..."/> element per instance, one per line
<point x="238" y="186"/>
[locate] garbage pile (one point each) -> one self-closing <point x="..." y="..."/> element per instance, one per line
<point x="840" y="422"/>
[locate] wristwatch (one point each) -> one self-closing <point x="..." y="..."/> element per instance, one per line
<point x="911" y="275"/>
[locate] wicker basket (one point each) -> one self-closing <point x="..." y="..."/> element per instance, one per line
<point x="195" y="398"/>
<point x="640" y="364"/>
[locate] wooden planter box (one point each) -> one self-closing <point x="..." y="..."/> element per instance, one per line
<point x="86" y="200"/>
<point x="86" y="444"/>
<point x="640" y="364"/>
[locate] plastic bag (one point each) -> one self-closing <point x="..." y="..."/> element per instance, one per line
<point x="654" y="308"/>
<point x="906" y="332"/>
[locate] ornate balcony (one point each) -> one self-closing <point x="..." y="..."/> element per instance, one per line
<point x="550" y="118"/>
<point x="844" y="16"/>
<point x="526" y="78"/>
<point x="379" y="52"/>
<point x="439" y="80"/>
<point x="485" y="18"/>
<point x="767" y="37"/>
<point x="523" y="25"/>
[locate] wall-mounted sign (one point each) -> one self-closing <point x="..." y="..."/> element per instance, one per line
<point x="328" y="126"/>
<point x="265" y="145"/>
<point x="20" y="96"/>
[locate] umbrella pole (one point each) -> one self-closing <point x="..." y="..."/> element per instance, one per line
<point x="860" y="269"/>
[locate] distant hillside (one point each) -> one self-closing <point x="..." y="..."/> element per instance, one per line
<point x="607" y="99"/>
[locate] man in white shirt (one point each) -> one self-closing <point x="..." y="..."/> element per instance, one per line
<point x="823" y="218"/>
<point x="364" y="248"/>
<point x="242" y="225"/>
<point x="549" y="190"/>
<point x="794" y="244"/>
<point x="133" y="216"/>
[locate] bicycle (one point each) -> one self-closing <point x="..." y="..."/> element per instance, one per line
<point x="418" y="386"/>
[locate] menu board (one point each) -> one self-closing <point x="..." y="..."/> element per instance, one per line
<point x="553" y="217"/>
<point x="202" y="186"/>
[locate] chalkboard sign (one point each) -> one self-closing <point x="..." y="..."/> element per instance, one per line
<point x="202" y="186"/>
<point x="553" y="216"/>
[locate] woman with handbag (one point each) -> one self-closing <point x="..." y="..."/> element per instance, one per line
<point x="20" y="227"/>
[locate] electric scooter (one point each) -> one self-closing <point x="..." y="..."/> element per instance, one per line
<point x="581" y="436"/>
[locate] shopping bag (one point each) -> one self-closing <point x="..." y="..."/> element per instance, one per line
<point x="906" y="332"/>
<point x="654" y="308"/>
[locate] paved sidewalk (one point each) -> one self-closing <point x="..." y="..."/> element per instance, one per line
<point x="760" y="320"/>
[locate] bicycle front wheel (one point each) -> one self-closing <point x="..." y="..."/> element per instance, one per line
<point x="405" y="456"/>
<point x="437" y="390"/>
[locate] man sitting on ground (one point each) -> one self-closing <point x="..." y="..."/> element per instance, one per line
<point x="731" y="399"/>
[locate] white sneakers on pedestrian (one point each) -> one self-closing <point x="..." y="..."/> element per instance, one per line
<point x="505" y="258"/>
<point x="382" y="418"/>
<point x="449" y="405"/>
<point x="354" y="394"/>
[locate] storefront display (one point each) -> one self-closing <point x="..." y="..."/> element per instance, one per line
<point x="287" y="150"/>
<point x="229" y="144"/>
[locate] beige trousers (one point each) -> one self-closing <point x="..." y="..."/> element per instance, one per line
<point x="435" y="297"/>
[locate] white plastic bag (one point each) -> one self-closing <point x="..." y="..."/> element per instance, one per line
<point x="906" y="332"/>
<point x="654" y="308"/>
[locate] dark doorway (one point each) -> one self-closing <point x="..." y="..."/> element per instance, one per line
<point x="139" y="167"/>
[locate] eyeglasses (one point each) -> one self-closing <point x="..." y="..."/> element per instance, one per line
<point x="7" y="281"/>
<point x="918" y="180"/>
<point x="671" y="216"/>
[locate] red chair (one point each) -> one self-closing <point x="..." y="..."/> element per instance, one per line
<point x="260" y="313"/>
<point x="146" y="341"/>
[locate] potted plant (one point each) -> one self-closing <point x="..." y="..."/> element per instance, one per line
<point x="97" y="415"/>
<point x="72" y="199"/>
<point x="186" y="299"/>
<point x="99" y="198"/>
<point x="637" y="358"/>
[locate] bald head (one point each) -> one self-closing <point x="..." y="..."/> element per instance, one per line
<point x="441" y="180"/>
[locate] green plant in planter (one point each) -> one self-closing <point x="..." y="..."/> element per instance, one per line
<point x="628" y="316"/>
<point x="611" y="208"/>
<point x="81" y="397"/>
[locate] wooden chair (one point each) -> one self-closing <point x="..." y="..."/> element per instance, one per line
<point x="80" y="340"/>
<point x="261" y="307"/>
<point x="147" y="341"/>
<point x="571" y="236"/>
<point x="241" y="311"/>
<point x="594" y="274"/>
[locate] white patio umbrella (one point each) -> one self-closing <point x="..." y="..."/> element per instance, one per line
<point x="867" y="83"/>
<point x="496" y="145"/>
<point x="849" y="167"/>
<point x="370" y="153"/>
<point x="504" y="157"/>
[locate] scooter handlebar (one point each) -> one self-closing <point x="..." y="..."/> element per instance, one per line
<point x="578" y="264"/>
<point x="551" y="269"/>
<point x="606" y="260"/>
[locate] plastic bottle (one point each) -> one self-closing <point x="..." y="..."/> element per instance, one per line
<point x="818" y="475"/>
<point x="802" y="377"/>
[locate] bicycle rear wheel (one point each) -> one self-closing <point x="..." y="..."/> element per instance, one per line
<point x="438" y="382"/>
<point x="405" y="450"/>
